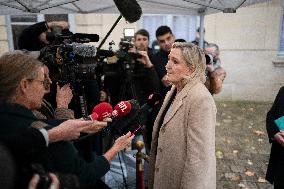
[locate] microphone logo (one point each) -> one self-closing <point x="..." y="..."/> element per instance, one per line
<point x="106" y="114"/>
<point x="122" y="106"/>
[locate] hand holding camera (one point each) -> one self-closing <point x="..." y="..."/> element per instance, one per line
<point x="145" y="60"/>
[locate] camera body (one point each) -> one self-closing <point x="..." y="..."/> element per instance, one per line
<point x="69" y="62"/>
<point x="209" y="59"/>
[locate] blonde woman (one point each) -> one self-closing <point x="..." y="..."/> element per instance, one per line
<point x="183" y="144"/>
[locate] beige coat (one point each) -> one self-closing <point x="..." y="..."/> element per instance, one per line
<point x="183" y="153"/>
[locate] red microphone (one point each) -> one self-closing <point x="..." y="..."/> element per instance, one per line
<point x="101" y="111"/>
<point x="94" y="116"/>
<point x="121" y="109"/>
<point x="104" y="110"/>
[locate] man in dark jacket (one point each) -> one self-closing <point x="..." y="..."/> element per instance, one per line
<point x="165" y="40"/>
<point x="34" y="37"/>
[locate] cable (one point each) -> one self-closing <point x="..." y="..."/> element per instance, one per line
<point x="123" y="176"/>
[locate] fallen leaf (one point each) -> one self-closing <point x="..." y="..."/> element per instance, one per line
<point x="241" y="185"/>
<point x="259" y="132"/>
<point x="260" y="140"/>
<point x="249" y="162"/>
<point x="232" y="176"/>
<point x="227" y="121"/>
<point x="250" y="173"/>
<point x="219" y="154"/>
<point x="262" y="180"/>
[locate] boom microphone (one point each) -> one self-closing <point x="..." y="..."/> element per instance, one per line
<point x="129" y="9"/>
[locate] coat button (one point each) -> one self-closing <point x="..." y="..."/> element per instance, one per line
<point x="163" y="130"/>
<point x="160" y="149"/>
<point x="157" y="169"/>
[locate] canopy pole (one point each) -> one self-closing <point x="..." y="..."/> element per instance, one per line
<point x="108" y="33"/>
<point x="201" y="31"/>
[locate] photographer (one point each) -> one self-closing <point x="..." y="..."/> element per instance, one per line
<point x="215" y="73"/>
<point x="34" y="37"/>
<point x="138" y="78"/>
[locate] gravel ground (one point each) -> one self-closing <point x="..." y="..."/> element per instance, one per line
<point x="242" y="146"/>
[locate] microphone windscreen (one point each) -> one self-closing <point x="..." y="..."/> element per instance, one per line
<point x="129" y="9"/>
<point x="103" y="110"/>
<point x="123" y="108"/>
<point x="94" y="116"/>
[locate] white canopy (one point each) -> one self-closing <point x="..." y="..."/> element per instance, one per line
<point x="182" y="7"/>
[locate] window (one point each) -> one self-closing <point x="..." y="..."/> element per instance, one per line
<point x="18" y="24"/>
<point x="183" y="26"/>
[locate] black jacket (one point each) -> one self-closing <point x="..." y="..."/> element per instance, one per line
<point x="160" y="60"/>
<point x="275" y="170"/>
<point x="58" y="157"/>
<point x="29" y="37"/>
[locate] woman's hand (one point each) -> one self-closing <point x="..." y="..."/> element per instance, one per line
<point x="68" y="130"/>
<point x="123" y="141"/>
<point x="63" y="96"/>
<point x="279" y="137"/>
<point x="96" y="126"/>
<point x="120" y="143"/>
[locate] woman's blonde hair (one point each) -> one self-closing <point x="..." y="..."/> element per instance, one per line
<point x="15" y="66"/>
<point x="195" y="59"/>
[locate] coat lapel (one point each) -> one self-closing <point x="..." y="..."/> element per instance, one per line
<point x="178" y="101"/>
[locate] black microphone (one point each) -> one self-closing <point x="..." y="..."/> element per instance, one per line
<point x="105" y="53"/>
<point x="129" y="9"/>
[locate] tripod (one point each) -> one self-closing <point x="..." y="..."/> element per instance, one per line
<point x="127" y="81"/>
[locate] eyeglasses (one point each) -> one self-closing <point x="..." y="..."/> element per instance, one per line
<point x="46" y="82"/>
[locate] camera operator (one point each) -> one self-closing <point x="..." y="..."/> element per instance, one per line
<point x="33" y="38"/>
<point x="214" y="72"/>
<point x="140" y="79"/>
<point x="213" y="50"/>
